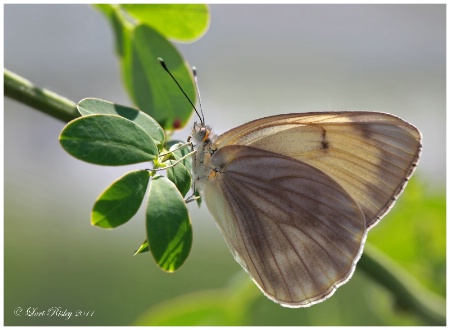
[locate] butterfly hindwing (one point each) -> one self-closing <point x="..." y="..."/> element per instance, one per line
<point x="293" y="228"/>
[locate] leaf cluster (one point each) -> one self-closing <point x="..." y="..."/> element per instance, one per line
<point x="114" y="135"/>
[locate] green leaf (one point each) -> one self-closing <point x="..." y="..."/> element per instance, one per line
<point x="180" y="176"/>
<point x="142" y="249"/>
<point x="171" y="143"/>
<point x="417" y="245"/>
<point x="183" y="22"/>
<point x="180" y="153"/>
<point x="120" y="33"/>
<point x="207" y="308"/>
<point x="169" y="230"/>
<point x="150" y="87"/>
<point x="91" y="106"/>
<point x="231" y="305"/>
<point x="187" y="162"/>
<point x="107" y="140"/>
<point x="121" y="200"/>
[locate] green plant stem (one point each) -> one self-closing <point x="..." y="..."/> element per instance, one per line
<point x="408" y="293"/>
<point x="41" y="99"/>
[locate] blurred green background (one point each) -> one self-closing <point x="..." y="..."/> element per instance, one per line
<point x="255" y="60"/>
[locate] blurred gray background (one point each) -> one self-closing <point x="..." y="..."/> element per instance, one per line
<point x="254" y="61"/>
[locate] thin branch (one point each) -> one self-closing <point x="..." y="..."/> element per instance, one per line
<point x="41" y="99"/>
<point x="408" y="293"/>
<point x="175" y="163"/>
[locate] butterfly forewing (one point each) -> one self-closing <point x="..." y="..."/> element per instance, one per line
<point x="371" y="155"/>
<point x="292" y="227"/>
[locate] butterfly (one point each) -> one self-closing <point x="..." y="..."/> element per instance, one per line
<point x="295" y="195"/>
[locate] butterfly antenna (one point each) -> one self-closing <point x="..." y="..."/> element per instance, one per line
<point x="194" y="71"/>
<point x="163" y="64"/>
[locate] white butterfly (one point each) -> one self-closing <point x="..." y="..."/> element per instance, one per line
<point x="294" y="195"/>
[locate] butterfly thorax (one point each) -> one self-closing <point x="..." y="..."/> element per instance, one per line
<point x="202" y="140"/>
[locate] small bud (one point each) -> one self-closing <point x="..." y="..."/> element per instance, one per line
<point x="176" y="123"/>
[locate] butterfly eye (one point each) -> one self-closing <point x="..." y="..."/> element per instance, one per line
<point x="204" y="134"/>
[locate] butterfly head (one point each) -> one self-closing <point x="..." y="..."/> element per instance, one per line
<point x="201" y="133"/>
